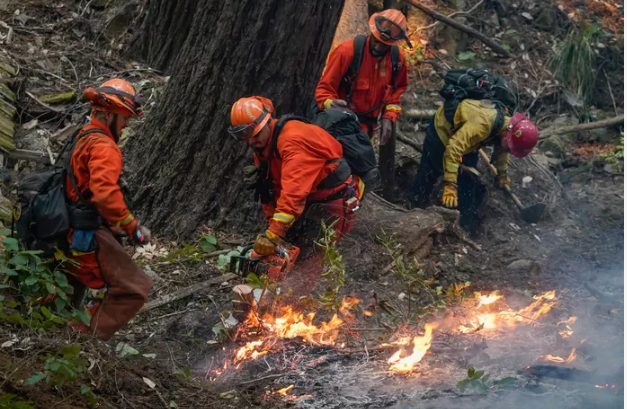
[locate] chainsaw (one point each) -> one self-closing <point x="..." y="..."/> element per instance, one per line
<point x="276" y="266"/>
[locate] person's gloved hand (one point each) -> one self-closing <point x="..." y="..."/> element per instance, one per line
<point x="265" y="245"/>
<point x="386" y="131"/>
<point x="250" y="176"/>
<point x="502" y="181"/>
<point x="142" y="235"/>
<point x="449" y="196"/>
<point x="334" y="103"/>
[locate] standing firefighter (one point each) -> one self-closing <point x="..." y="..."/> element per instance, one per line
<point x="476" y="123"/>
<point x="370" y="82"/>
<point x="297" y="164"/>
<point x="99" y="210"/>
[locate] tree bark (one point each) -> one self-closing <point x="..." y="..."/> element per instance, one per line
<point x="162" y="33"/>
<point x="185" y="169"/>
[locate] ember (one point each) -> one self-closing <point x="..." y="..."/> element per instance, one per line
<point x="420" y="347"/>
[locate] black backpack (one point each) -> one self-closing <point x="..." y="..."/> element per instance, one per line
<point x="353" y="70"/>
<point x="461" y="84"/>
<point x="43" y="214"/>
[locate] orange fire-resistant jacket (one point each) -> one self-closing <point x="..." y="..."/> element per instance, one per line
<point x="372" y="85"/>
<point x="301" y="164"/>
<point x="97" y="164"/>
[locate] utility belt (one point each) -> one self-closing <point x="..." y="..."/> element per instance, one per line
<point x="82" y="218"/>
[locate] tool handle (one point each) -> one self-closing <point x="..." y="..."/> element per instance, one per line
<point x="486" y="159"/>
<point x="511" y="194"/>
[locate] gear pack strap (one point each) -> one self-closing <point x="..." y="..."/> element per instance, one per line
<point x="68" y="168"/>
<point x="349" y="78"/>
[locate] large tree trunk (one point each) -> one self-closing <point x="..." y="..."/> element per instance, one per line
<point x="185" y="169"/>
<point x="162" y="33"/>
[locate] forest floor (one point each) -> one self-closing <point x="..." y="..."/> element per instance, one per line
<point x="172" y="356"/>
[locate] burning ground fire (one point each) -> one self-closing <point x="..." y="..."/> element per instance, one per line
<point x="488" y="314"/>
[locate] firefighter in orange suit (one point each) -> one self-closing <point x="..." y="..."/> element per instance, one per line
<point x="302" y="165"/>
<point x="100" y="210"/>
<point x="374" y="91"/>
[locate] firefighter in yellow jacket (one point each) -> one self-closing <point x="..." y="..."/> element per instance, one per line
<point x="476" y="124"/>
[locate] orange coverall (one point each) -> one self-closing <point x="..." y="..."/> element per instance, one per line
<point x="97" y="163"/>
<point x="304" y="151"/>
<point x="372" y="85"/>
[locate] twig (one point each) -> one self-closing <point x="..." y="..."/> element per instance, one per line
<point x="263" y="378"/>
<point x="170" y="315"/>
<point x="545" y="133"/>
<point x="161" y="399"/>
<point x="367" y="329"/>
<point x="609" y="88"/>
<point x="461" y="27"/>
<point x="457" y="13"/>
<point x="78" y="83"/>
<point x="186" y="292"/>
<point x="43" y="104"/>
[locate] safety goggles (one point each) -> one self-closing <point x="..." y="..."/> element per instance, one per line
<point x="138" y="102"/>
<point x="245" y="131"/>
<point x="390" y="31"/>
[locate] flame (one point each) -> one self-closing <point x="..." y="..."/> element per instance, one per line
<point x="250" y="351"/>
<point x="559" y="359"/>
<point x="510" y="318"/>
<point x="489" y="299"/>
<point x="570" y="320"/>
<point x="283" y="391"/>
<point x="420" y="347"/>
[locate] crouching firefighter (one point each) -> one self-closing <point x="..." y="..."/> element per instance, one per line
<point x="301" y="164"/>
<point x="476" y="123"/>
<point x="99" y="210"/>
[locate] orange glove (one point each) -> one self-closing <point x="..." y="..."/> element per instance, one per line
<point x="449" y="196"/>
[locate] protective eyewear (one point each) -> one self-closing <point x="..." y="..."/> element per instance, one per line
<point x="390" y="31"/>
<point x="245" y="131"/>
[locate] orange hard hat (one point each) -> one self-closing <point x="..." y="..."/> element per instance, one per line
<point x="248" y="116"/>
<point x="389" y="27"/>
<point x="522" y="135"/>
<point x="117" y="96"/>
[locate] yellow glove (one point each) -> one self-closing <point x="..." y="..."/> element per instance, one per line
<point x="449" y="196"/>
<point x="502" y="181"/>
<point x="265" y="245"/>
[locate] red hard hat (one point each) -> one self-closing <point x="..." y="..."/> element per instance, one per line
<point x="389" y="27"/>
<point x="248" y="116"/>
<point x="522" y="135"/>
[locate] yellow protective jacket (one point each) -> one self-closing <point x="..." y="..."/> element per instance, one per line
<point x="471" y="131"/>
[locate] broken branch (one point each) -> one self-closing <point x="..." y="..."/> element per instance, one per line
<point x="459" y="26"/>
<point x="606" y="123"/>
<point x="187" y="291"/>
<point x="43" y="104"/>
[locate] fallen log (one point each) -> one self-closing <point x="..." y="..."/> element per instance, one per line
<point x="422" y="114"/>
<point x="545" y="133"/>
<point x="187" y="291"/>
<point x="35" y="156"/>
<point x="461" y="27"/>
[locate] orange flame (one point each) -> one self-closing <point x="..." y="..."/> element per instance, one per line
<point x="559" y="359"/>
<point x="420" y="347"/>
<point x="283" y="391"/>
<point x="510" y="318"/>
<point x="489" y="299"/>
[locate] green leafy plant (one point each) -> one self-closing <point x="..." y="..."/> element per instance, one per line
<point x="334" y="268"/>
<point x="61" y="368"/>
<point x="39" y="289"/>
<point x="208" y="244"/>
<point x="616" y="156"/>
<point x="465" y="56"/>
<point x="7" y="401"/>
<point x="478" y="380"/>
